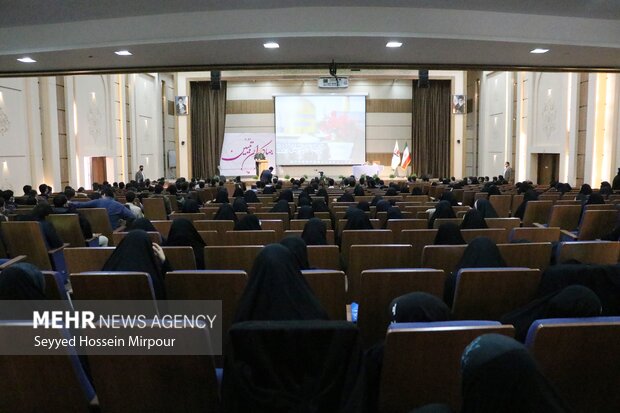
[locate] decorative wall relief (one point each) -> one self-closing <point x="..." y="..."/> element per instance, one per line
<point x="94" y="120"/>
<point x="5" y="124"/>
<point x="548" y="117"/>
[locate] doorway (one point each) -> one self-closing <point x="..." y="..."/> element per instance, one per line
<point x="98" y="169"/>
<point x="548" y="168"/>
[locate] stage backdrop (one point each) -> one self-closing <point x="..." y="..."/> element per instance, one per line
<point x="239" y="149"/>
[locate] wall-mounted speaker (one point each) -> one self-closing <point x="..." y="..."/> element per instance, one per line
<point x="216" y="79"/>
<point x="423" y="79"/>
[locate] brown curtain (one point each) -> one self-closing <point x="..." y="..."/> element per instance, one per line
<point x="208" y="118"/>
<point x="431" y="129"/>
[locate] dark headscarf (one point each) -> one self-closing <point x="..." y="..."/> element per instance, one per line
<point x="595" y="199"/>
<point x="276" y="290"/>
<point x="182" y="233"/>
<point x="250" y="197"/>
<point x="449" y="234"/>
<point x="529" y="195"/>
<point x="391" y="192"/>
<point x="304" y="199"/>
<point x="449" y="196"/>
<point x="357" y="219"/>
<point x="281" y="206"/>
<point x="299" y="249"/>
<point x="394" y="213"/>
<point x="190" y="206"/>
<point x="485" y="208"/>
<point x="225" y="212"/>
<point x="493" y="190"/>
<point x="585" y="189"/>
<point x="416" y="190"/>
<point x="363" y="205"/>
<point x="135" y="253"/>
<point x="358" y="190"/>
<point x="238" y="192"/>
<point x="346" y="197"/>
<point x="239" y="205"/>
<point x="248" y="223"/>
<point x="318" y="205"/>
<point x="572" y="301"/>
<point x="442" y="210"/>
<point x="323" y="192"/>
<point x="418" y="307"/>
<point x="143" y="224"/>
<point x="315" y="232"/>
<point x="305" y="212"/>
<point x="473" y="220"/>
<point x="376" y="200"/>
<point x="22" y="281"/>
<point x="500" y="375"/>
<point x="383" y="205"/>
<point x="480" y="253"/>
<point x="269" y="190"/>
<point x="286" y="195"/>
<point x="222" y="196"/>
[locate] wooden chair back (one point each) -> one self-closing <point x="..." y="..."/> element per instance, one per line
<point x="154" y="208"/>
<point x="214" y="225"/>
<point x="330" y="237"/>
<point x="324" y="257"/>
<point x="67" y="227"/>
<point x="163" y="227"/>
<point x="155" y="237"/>
<point x="537" y="212"/>
<point x="113" y="285"/>
<point x="329" y="286"/>
<point x="431" y="371"/>
<point x="580" y="358"/>
<point x="535" y="234"/>
<point x="590" y="252"/>
<point x="99" y="222"/>
<point x="363" y="237"/>
<point x="565" y="216"/>
<point x="374" y="256"/>
<point x="221" y="285"/>
<point x="26" y="238"/>
<point x="238" y="257"/>
<point x="597" y="223"/>
<point x="506" y="223"/>
<point x="380" y="286"/>
<point x="488" y="294"/>
<point x="501" y="204"/>
<point x="259" y="237"/>
<point x="526" y="255"/>
<point x="498" y="235"/>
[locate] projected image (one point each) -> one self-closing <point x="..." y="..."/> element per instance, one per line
<point x="320" y="130"/>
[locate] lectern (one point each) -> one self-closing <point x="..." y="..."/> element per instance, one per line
<point x="261" y="165"/>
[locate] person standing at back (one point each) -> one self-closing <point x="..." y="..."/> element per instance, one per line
<point x="140" y="174"/>
<point x="508" y="174"/>
<point x="615" y="184"/>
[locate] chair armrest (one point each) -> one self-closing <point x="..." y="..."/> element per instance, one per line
<point x="93" y="242"/>
<point x="569" y="234"/>
<point x="122" y="228"/>
<point x="537" y="225"/>
<point x="54" y="251"/>
<point x="12" y="261"/>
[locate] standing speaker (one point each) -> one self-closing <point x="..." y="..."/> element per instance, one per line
<point x="216" y="78"/>
<point x="423" y="79"/>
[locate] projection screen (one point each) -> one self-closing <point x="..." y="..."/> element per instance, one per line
<point x="320" y="129"/>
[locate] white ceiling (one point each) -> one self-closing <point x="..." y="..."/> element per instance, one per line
<point x="78" y="35"/>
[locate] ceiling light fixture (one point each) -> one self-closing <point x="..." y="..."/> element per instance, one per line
<point x="271" y="45"/>
<point x="393" y="44"/>
<point x="539" y="51"/>
<point x="27" y="60"/>
<point x="123" y="52"/>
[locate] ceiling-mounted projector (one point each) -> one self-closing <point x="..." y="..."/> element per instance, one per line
<point x="333" y="82"/>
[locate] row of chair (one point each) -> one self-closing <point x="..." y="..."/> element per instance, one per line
<point x="421" y="365"/>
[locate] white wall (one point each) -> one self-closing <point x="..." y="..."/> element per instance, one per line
<point x="20" y="134"/>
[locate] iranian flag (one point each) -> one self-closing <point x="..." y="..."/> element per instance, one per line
<point x="406" y="157"/>
<point x="395" y="156"/>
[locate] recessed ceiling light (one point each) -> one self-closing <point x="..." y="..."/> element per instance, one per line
<point x="123" y="52"/>
<point x="271" y="45"/>
<point x="393" y="44"/>
<point x="539" y="51"/>
<point x="27" y="60"/>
